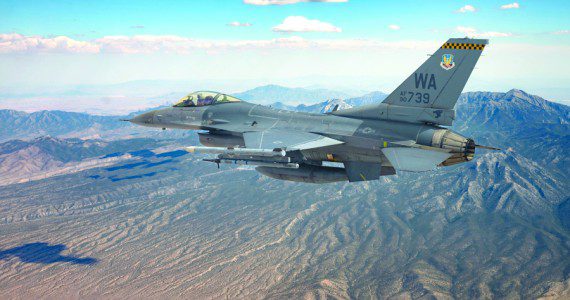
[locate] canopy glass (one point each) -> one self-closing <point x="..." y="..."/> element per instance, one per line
<point x="204" y="98"/>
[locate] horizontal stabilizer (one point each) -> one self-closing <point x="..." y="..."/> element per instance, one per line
<point x="414" y="159"/>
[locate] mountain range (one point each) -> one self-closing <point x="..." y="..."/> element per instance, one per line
<point x="157" y="222"/>
<point x="122" y="98"/>
<point x="269" y="94"/>
<point x="21" y="125"/>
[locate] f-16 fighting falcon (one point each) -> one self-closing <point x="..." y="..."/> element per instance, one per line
<point x="406" y="132"/>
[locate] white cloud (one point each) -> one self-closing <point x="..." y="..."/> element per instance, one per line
<point x="13" y="42"/>
<point x="17" y="43"/>
<point x="284" y="2"/>
<point x="561" y="32"/>
<point x="513" y="5"/>
<point x="302" y="24"/>
<point x="466" y="30"/>
<point x="394" y="27"/>
<point x="473" y="33"/>
<point x="238" y="24"/>
<point x="145" y="44"/>
<point x="466" y="9"/>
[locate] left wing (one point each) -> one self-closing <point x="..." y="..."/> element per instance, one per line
<point x="287" y="140"/>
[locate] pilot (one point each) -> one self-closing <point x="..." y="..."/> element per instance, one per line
<point x="209" y="100"/>
<point x="188" y="101"/>
<point x="200" y="100"/>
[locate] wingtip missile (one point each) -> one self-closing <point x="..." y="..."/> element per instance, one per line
<point x="230" y="151"/>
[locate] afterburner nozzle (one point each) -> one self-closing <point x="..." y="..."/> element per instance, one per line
<point x="462" y="149"/>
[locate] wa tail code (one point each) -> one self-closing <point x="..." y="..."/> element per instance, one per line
<point x="422" y="79"/>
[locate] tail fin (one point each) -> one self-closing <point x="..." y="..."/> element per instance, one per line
<point x="438" y="82"/>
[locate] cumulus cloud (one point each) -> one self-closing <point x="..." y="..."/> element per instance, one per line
<point x="513" y="5"/>
<point x="394" y="27"/>
<point x="14" y="42"/>
<point x="466" y="9"/>
<point x="561" y="32"/>
<point x="302" y="24"/>
<point x="239" y="24"/>
<point x="284" y="2"/>
<point x="17" y="43"/>
<point x="473" y="33"/>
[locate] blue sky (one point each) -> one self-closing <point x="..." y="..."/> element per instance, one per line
<point x="207" y="19"/>
<point x="359" y="44"/>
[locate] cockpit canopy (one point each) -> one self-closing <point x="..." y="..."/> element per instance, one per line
<point x="205" y="98"/>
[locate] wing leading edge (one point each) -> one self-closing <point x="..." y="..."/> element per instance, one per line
<point x="288" y="140"/>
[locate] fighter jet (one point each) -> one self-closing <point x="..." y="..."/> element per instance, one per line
<point x="405" y="132"/>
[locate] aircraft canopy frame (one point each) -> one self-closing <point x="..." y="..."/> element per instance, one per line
<point x="205" y="98"/>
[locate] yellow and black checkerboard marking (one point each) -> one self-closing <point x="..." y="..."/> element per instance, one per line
<point x="461" y="46"/>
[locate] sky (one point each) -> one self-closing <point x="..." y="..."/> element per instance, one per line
<point x="233" y="45"/>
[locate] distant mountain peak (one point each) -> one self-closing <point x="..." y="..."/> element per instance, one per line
<point x="522" y="95"/>
<point x="508" y="111"/>
<point x="514" y="95"/>
<point x="273" y="93"/>
<point x="270" y="86"/>
<point x="517" y="92"/>
<point x="330" y="104"/>
<point x="47" y="138"/>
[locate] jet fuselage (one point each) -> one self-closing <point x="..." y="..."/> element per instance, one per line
<point x="363" y="138"/>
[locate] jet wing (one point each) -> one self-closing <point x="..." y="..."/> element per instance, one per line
<point x="414" y="159"/>
<point x="288" y="140"/>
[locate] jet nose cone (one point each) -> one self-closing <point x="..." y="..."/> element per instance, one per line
<point x="143" y="119"/>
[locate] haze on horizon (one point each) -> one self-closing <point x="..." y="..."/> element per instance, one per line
<point x="50" y="50"/>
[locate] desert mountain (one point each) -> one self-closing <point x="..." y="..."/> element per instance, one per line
<point x="170" y="225"/>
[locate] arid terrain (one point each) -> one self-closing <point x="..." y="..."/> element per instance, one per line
<point x="126" y="214"/>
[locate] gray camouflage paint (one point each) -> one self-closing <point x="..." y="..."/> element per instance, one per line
<point x="410" y="117"/>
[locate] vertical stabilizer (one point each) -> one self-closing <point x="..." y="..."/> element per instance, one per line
<point x="439" y="81"/>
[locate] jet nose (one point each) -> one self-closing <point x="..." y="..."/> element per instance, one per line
<point x="146" y="119"/>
